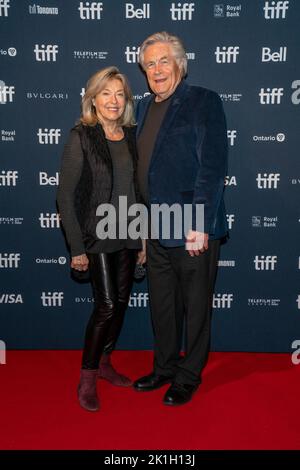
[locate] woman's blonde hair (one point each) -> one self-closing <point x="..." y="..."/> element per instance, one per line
<point x="94" y="86"/>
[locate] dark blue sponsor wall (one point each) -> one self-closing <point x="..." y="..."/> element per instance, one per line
<point x="248" y="51"/>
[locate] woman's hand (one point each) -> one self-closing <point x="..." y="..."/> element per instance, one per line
<point x="142" y="258"/>
<point x="80" y="262"/>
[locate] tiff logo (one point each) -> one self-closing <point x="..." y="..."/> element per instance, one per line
<point x="271" y="95"/>
<point x="8" y="178"/>
<point x="48" y="136"/>
<point x="226" y="55"/>
<point x="268" y="180"/>
<point x="45" y="53"/>
<point x="265" y="263"/>
<point x="49" y="220"/>
<point x="268" y="56"/>
<point x="132" y="54"/>
<point x="4" y="6"/>
<point x="6" y="93"/>
<point x="91" y="11"/>
<point x="231" y="135"/>
<point x="139" y="13"/>
<point x="9" y="260"/>
<point x="222" y="300"/>
<point x="182" y="12"/>
<point x="230" y="220"/>
<point x="140" y="299"/>
<point x="52" y="299"/>
<point x="276" y="10"/>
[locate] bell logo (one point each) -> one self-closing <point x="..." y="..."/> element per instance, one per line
<point x="280" y="56"/>
<point x="9" y="260"/>
<point x="45" y="53"/>
<point x="230" y="220"/>
<point x="271" y="95"/>
<point x="91" y="11"/>
<point x="49" y="220"/>
<point x="226" y="55"/>
<point x="222" y="300"/>
<point x="265" y="263"/>
<point x="8" y="178"/>
<point x="6" y="93"/>
<point x="4" y="6"/>
<point x="46" y="180"/>
<point x="268" y="180"/>
<point x="132" y="54"/>
<point x="138" y="13"/>
<point x="231" y="135"/>
<point x="182" y="12"/>
<point x="52" y="299"/>
<point x="276" y="10"/>
<point x="48" y="136"/>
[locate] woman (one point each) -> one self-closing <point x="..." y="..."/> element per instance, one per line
<point x="98" y="166"/>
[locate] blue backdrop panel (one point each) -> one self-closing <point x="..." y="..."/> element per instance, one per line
<point x="248" y="51"/>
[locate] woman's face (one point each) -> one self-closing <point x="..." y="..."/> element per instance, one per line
<point x="110" y="102"/>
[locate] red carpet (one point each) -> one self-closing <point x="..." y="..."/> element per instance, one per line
<point x="246" y="401"/>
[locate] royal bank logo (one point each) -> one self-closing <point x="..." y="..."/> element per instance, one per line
<point x="11" y="52"/>
<point x="90" y="55"/>
<point x="131" y="54"/>
<point x="4" y="6"/>
<point x="45" y="53"/>
<point x="268" y="56"/>
<point x="10" y="260"/>
<point x="231" y="135"/>
<point x="11" y="220"/>
<point x="46" y="180"/>
<point x="48" y="136"/>
<point x="231" y="97"/>
<point x="140" y="299"/>
<point x="296" y="94"/>
<point x="61" y="260"/>
<point x="268" y="180"/>
<point x="265" y="263"/>
<point x="182" y="11"/>
<point x="227" y="11"/>
<point x="132" y="12"/>
<point x="271" y="95"/>
<point x="38" y="10"/>
<point x="90" y="10"/>
<point x="263" y="302"/>
<point x="9" y="177"/>
<point x="11" y="299"/>
<point x="275" y="10"/>
<point x="6" y="93"/>
<point x="230" y="181"/>
<point x="230" y="220"/>
<point x="280" y="137"/>
<point x="227" y="55"/>
<point x="8" y="136"/>
<point x="222" y="300"/>
<point x="52" y="299"/>
<point x="259" y="221"/>
<point x="49" y="220"/>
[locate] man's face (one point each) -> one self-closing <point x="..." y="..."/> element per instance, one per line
<point x="162" y="71"/>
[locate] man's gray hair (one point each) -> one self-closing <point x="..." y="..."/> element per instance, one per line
<point x="177" y="47"/>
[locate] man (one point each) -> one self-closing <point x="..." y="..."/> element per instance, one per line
<point x="182" y="145"/>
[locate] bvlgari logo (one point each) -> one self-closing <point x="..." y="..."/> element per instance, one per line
<point x="47" y="95"/>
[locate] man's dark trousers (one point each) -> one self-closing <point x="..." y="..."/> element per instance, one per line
<point x="181" y="285"/>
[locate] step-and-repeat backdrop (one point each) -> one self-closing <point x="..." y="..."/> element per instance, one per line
<point x="248" y="51"/>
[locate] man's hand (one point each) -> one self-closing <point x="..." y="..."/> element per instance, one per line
<point x="141" y="258"/>
<point x="80" y="263"/>
<point x="196" y="242"/>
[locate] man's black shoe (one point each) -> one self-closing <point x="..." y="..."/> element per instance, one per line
<point x="151" y="382"/>
<point x="179" y="394"/>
